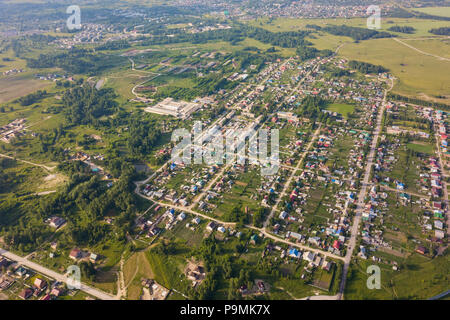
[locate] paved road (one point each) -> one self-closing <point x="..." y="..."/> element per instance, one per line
<point x="55" y="275"/>
<point x="362" y="194"/>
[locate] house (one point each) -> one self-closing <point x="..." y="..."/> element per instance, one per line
<point x="196" y="220"/>
<point x="317" y="261"/>
<point x="56" y="222"/>
<point x="337" y="244"/>
<point x="56" y="292"/>
<point x="26" y="293"/>
<point x="439" y="234"/>
<point x="75" y="254"/>
<point x="294" y="235"/>
<point x="181" y="216"/>
<point x="221" y="229"/>
<point x="309" y="256"/>
<point x="21" y="271"/>
<point x="294" y="253"/>
<point x="211" y="226"/>
<point x="93" y="257"/>
<point x="421" y="250"/>
<point x="40" y="284"/>
<point x="283" y="215"/>
<point x="438" y="224"/>
<point x="327" y="265"/>
<point x="3" y="263"/>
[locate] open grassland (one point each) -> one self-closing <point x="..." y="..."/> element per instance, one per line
<point x="418" y="75"/>
<point x="439" y="47"/>
<point x="422" y="26"/>
<point x="418" y="278"/>
<point x="341" y="108"/>
<point x="14" y="87"/>
<point x="435" y="11"/>
<point x="9" y="61"/>
<point x="136" y="267"/>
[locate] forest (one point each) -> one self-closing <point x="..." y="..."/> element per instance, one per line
<point x="356" y="33"/>
<point x="444" y="31"/>
<point x="402" y="29"/>
<point x="366" y="68"/>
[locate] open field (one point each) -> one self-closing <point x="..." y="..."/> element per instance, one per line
<point x="435" y="11"/>
<point x="136" y="267"/>
<point x="422" y="26"/>
<point x="418" y="278"/>
<point x="341" y="108"/>
<point x="418" y="75"/>
<point x="440" y="47"/>
<point x="17" y="86"/>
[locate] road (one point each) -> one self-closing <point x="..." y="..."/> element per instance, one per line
<point x="55" y="275"/>
<point x="185" y="209"/>
<point x="444" y="184"/>
<point x="362" y="194"/>
<point x="418" y="195"/>
<point x="288" y="182"/>
<point x="297" y="245"/>
<point x="28" y="162"/>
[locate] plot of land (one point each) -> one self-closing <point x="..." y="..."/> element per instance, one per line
<point x="343" y="109"/>
<point x="417" y="74"/>
<point x="16" y="87"/>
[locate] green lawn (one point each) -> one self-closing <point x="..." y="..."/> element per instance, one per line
<point x="341" y="108"/>
<point x="424" y="148"/>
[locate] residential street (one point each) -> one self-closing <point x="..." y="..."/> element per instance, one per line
<point x="362" y="194"/>
<point x="55" y="275"/>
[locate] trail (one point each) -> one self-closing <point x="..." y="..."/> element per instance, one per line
<point x="420" y="51"/>
<point x="28" y="162"/>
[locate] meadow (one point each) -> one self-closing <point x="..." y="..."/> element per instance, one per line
<point x="435" y="11"/>
<point x="418" y="75"/>
<point x="418" y="278"/>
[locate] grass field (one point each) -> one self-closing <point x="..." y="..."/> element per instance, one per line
<point x="418" y="75"/>
<point x="435" y="11"/>
<point x="422" y="26"/>
<point x="17" y="86"/>
<point x="418" y="278"/>
<point x="440" y="47"/>
<point x="341" y="108"/>
<point x="135" y="268"/>
<point x="424" y="148"/>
